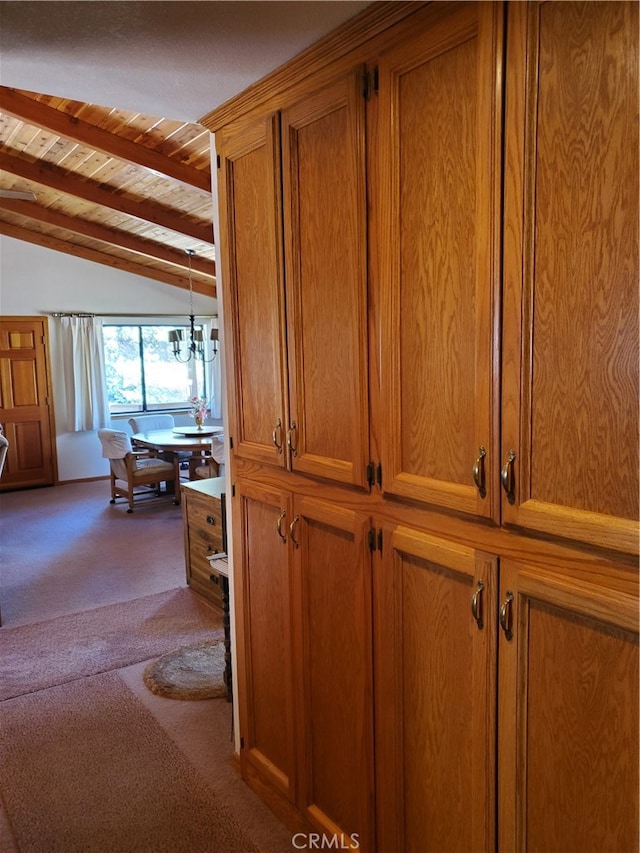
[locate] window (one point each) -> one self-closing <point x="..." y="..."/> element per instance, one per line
<point x="142" y="373"/>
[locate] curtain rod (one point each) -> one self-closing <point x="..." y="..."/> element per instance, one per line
<point x="125" y="314"/>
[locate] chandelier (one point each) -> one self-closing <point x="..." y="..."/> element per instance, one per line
<point x="195" y="347"/>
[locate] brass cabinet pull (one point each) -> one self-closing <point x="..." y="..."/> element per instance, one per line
<point x="476" y="605"/>
<point x="478" y="472"/>
<point x="283" y="515"/>
<point x="506" y="615"/>
<point x="276" y="436"/>
<point x="290" y="444"/>
<point x="291" y="530"/>
<point x="507" y="477"/>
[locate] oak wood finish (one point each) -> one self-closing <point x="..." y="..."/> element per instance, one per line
<point x="446" y="775"/>
<point x="263" y="607"/>
<point x="326" y="270"/>
<point x="440" y="114"/>
<point x="435" y="694"/>
<point x="571" y="271"/>
<point x="250" y="208"/>
<point x="26" y="403"/>
<point x="568" y="730"/>
<point x="334" y="673"/>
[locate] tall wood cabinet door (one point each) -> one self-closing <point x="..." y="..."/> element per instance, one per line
<point x="439" y="149"/>
<point x="570" y="359"/>
<point x="334" y="668"/>
<point x="253" y="282"/>
<point x="26" y="411"/>
<point x="324" y="189"/>
<point x="568" y="715"/>
<point x="263" y="617"/>
<point x="435" y="651"/>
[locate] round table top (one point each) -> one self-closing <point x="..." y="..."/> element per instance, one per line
<point x="197" y="431"/>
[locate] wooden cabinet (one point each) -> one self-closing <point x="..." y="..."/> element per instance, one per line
<point x="301" y="390"/>
<point x="568" y="732"/>
<point x="204" y="533"/>
<point x="436" y="213"/>
<point x="435" y="694"/>
<point x="570" y="358"/>
<point x="307" y="721"/>
<point x="439" y="146"/>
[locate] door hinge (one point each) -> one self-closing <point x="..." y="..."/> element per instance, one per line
<point x="233" y="490"/>
<point x="230" y="442"/>
<point x="218" y="161"/>
<point x="370" y="83"/>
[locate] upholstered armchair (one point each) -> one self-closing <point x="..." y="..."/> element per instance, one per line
<point x="133" y="470"/>
<point x="4" y="447"/>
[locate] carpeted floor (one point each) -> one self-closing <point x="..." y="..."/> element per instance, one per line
<point x="101" y="745"/>
<point x="35" y="657"/>
<point x="67" y="553"/>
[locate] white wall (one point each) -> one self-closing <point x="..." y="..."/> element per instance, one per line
<point x="35" y="281"/>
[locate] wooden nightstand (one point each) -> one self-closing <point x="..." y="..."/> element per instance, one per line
<point x="203" y="512"/>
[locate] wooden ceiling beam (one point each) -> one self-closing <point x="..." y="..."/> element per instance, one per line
<point x="40" y="115"/>
<point x="65" y="182"/>
<point x="205" y="288"/>
<point x="121" y="239"/>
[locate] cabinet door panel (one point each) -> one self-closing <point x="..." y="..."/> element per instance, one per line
<point x="333" y="568"/>
<point x="440" y="167"/>
<point x="435" y="695"/>
<point x="570" y="365"/>
<point x="264" y="623"/>
<point x="326" y="263"/>
<point x="568" y="727"/>
<point x="251" y="242"/>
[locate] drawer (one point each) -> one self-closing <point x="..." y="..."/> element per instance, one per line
<point x="200" y="580"/>
<point x="207" y="539"/>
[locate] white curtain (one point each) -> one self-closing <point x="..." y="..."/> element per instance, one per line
<point x="81" y="358"/>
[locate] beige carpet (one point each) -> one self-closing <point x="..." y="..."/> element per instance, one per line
<point x="45" y="654"/>
<point x="101" y="776"/>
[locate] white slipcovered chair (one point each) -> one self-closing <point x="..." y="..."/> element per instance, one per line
<point x="132" y="470"/>
<point x="4" y="446"/>
<point x="146" y="423"/>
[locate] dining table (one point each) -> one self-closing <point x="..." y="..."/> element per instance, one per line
<point x="179" y="439"/>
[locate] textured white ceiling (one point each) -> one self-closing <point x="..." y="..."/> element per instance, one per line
<point x="172" y="59"/>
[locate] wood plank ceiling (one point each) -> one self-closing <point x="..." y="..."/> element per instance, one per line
<point x="123" y="189"/>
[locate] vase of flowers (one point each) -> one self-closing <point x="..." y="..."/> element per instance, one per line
<point x="199" y="410"/>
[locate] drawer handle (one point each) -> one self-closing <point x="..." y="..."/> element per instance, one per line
<point x="211" y="519"/>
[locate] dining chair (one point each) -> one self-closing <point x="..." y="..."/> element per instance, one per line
<point x="4" y="447"/>
<point x="137" y="473"/>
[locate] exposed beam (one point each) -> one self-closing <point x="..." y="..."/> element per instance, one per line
<point x="65" y="182"/>
<point x="43" y="240"/>
<point x="121" y="239"/>
<point x="40" y="115"/>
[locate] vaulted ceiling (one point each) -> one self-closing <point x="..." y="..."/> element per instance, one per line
<point x="115" y="187"/>
<point x="125" y="187"/>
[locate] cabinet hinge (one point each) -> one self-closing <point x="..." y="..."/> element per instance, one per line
<point x="370" y="83"/>
<point x="371" y="473"/>
<point x="218" y="161"/>
<point x="379" y="474"/>
<point x="371" y="539"/>
<point x="230" y="442"/>
<point x="241" y="743"/>
<point x="379" y="542"/>
<point x="233" y="490"/>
